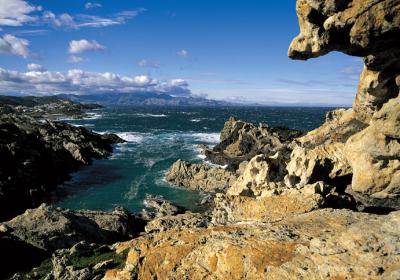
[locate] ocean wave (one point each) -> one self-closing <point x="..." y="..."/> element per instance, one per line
<point x="92" y="116"/>
<point x="212" y="138"/>
<point x="152" y="115"/>
<point x="195" y="120"/>
<point x="131" y="137"/>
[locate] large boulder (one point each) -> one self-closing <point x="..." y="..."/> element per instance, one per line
<point x="50" y="228"/>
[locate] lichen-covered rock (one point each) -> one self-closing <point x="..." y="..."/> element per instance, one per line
<point x="179" y="221"/>
<point x="324" y="244"/>
<point x="200" y="177"/>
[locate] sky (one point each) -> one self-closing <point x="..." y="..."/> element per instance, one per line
<point x="219" y="49"/>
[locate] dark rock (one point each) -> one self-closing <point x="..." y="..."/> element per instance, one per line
<point x="36" y="157"/>
<point x="240" y="141"/>
<point x="50" y="228"/>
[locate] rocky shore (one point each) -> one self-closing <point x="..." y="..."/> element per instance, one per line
<point x="324" y="205"/>
<point x="37" y="154"/>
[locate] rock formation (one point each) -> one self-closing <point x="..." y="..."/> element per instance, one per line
<point x="199" y="177"/>
<point x="44" y="230"/>
<point x="363" y="141"/>
<point x="240" y="141"/>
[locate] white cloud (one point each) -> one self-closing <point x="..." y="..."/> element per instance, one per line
<point x="62" y="20"/>
<point x="12" y="45"/>
<point x="92" y="5"/>
<point x="16" y="12"/>
<point x="35" y="67"/>
<point x="77" y="81"/>
<point x="148" y="64"/>
<point x="79" y="46"/>
<point x="75" y="59"/>
<point x="183" y="53"/>
<point x="68" y="21"/>
<point x="96" y="21"/>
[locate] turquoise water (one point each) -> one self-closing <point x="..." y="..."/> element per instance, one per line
<point x="157" y="137"/>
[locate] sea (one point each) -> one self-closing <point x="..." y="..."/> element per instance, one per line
<point x="155" y="139"/>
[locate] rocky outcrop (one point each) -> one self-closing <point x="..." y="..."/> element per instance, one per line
<point x="261" y="175"/>
<point x="240" y="141"/>
<point x="274" y="204"/>
<point x="40" y="232"/>
<point x="50" y="228"/>
<point x="361" y="145"/>
<point x="200" y="177"/>
<point x="324" y="244"/>
<point x="37" y="156"/>
<point x="180" y="221"/>
<point x="157" y="207"/>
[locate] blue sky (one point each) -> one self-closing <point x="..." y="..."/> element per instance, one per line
<point x="230" y="50"/>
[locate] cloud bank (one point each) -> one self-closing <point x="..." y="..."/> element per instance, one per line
<point x="38" y="81"/>
<point x="16" y="12"/>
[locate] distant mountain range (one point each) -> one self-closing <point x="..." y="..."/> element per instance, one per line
<point x="143" y="99"/>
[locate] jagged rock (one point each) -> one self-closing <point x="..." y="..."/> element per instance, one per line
<point x="366" y="28"/>
<point x="36" y="156"/>
<point x="199" y="177"/>
<point x="180" y="221"/>
<point x="160" y="207"/>
<point x="50" y="228"/>
<point x="263" y="174"/>
<point x="320" y="155"/>
<point x="374" y="154"/>
<point x="270" y="207"/>
<point x="324" y="244"/>
<point x="241" y="141"/>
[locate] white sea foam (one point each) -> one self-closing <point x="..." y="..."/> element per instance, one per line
<point x="152" y="115"/>
<point x="201" y="156"/>
<point x="92" y="116"/>
<point x="131" y="137"/>
<point x="195" y="120"/>
<point x="212" y="138"/>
